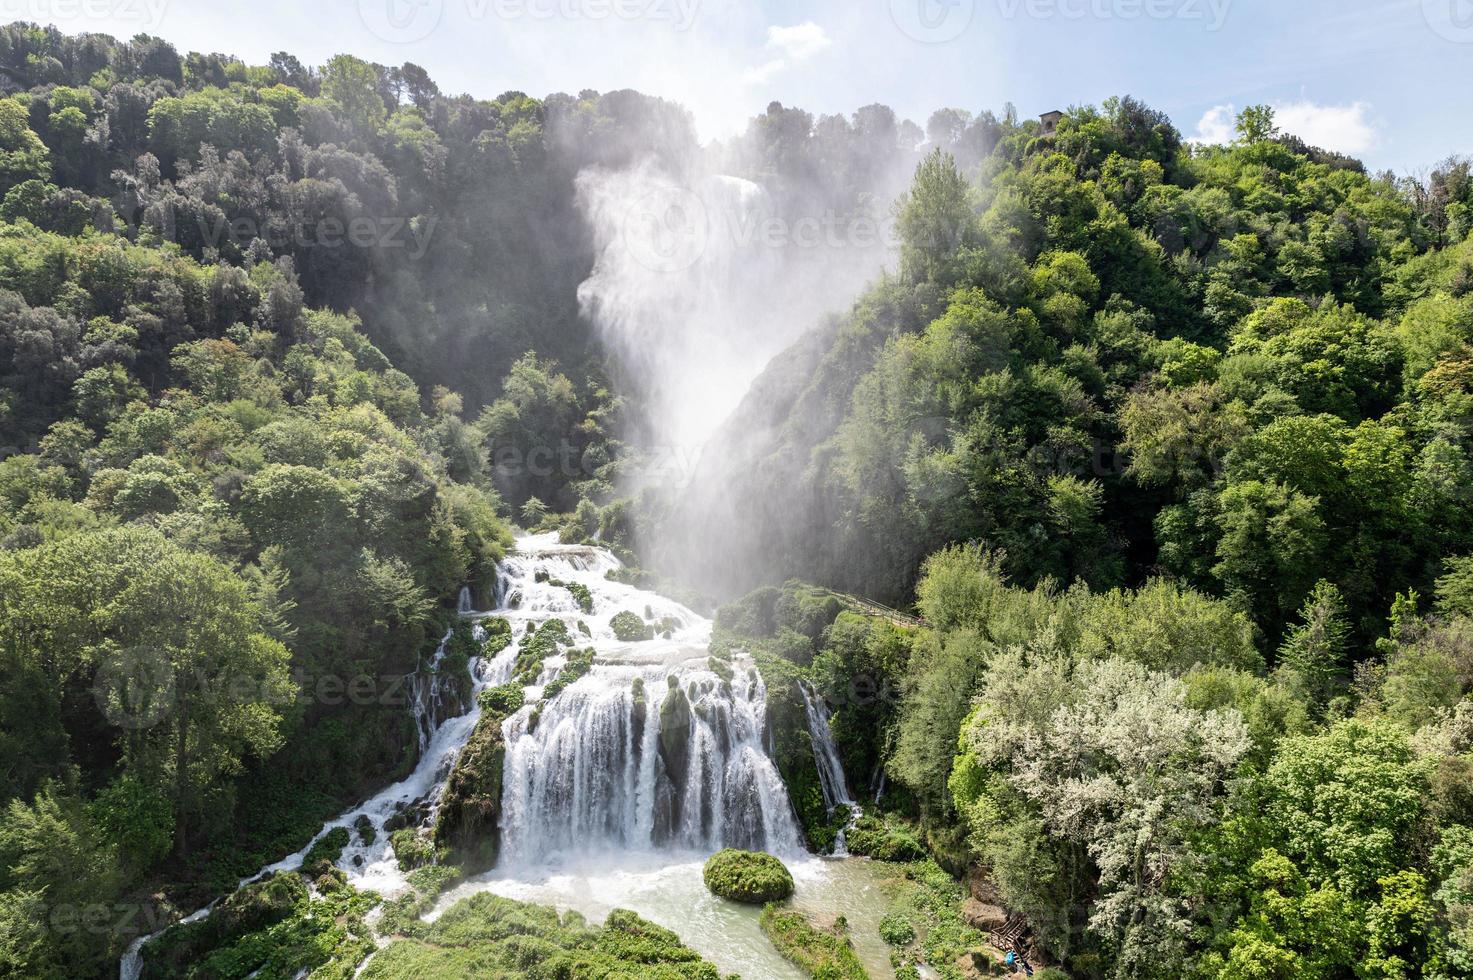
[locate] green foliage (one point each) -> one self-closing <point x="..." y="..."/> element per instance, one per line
<point x="489" y="936"/>
<point x="821" y="953"/>
<point x="747" y="876"/>
<point x="629" y="628"/>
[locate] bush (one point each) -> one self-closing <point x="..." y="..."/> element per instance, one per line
<point x="873" y="838"/>
<point x="629" y="628"/>
<point x="896" y="929"/>
<point x="748" y="876"/>
<point x="504" y="700"/>
<point x="818" y="952"/>
<point x="412" y="850"/>
<point x="328" y="849"/>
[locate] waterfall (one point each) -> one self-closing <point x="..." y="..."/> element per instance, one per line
<point x="651" y="748"/>
<point x="826" y="755"/>
<point x="605" y="765"/>
<point x="463" y="604"/>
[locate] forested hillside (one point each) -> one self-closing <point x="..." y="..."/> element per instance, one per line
<point x="1169" y="448"/>
<point x="1165" y="446"/>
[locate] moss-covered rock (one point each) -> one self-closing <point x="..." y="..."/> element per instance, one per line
<point x="498" y="635"/>
<point x="579" y="592"/>
<point x="629" y="628"/>
<point x="752" y="877"/>
<point x="486" y="935"/>
<point x="792" y="753"/>
<point x="412" y="849"/>
<point x="537" y="646"/>
<point x="579" y="663"/>
<point x="329" y="847"/>
<point x="467" y="823"/>
<point x="821" y="953"/>
<point x="884" y="839"/>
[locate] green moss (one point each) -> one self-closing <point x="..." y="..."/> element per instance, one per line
<point x="505" y="700"/>
<point x="629" y="628"/>
<point x="498" y="636"/>
<point x="467" y="822"/>
<point x="538" y="646"/>
<point x="401" y="915"/>
<point x="821" y="953"/>
<point x="411" y="849"/>
<point x="748" y="876"/>
<point x="721" y="668"/>
<point x="365" y="829"/>
<point x="884" y="838"/>
<point x="493" y="937"/>
<point x="329" y="848"/>
<point x="579" y="592"/>
<point x="579" y="663"/>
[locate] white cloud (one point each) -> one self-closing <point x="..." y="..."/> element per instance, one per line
<point x="789" y="45"/>
<point x="1216" y="125"/>
<point x="1342" y="128"/>
<point x="799" y="42"/>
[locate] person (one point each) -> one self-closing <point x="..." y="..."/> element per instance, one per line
<point x="1027" y="968"/>
<point x="1011" y="961"/>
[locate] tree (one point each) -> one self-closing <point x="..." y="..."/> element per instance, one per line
<point x="1316" y="649"/>
<point x="351" y="85"/>
<point x="1256" y="124"/>
<point x="1110" y="756"/>
<point x="171" y="645"/>
<point x="23" y="156"/>
<point x="934" y="219"/>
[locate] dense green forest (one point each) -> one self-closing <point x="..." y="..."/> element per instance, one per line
<point x="1165" y="446"/>
<point x="1168" y="446"/>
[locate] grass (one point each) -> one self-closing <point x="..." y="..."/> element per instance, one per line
<point x="821" y="953"/>
<point x="496" y="938"/>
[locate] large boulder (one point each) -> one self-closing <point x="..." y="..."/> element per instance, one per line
<point x="983" y="916"/>
<point x="467" y="824"/>
<point x="752" y="877"/>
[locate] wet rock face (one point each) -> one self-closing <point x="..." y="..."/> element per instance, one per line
<point x="675" y="733"/>
<point x="675" y="719"/>
<point x="467" y="825"/>
<point x="470" y="809"/>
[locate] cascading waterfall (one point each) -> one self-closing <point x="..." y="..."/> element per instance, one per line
<point x="652" y="748"/>
<point x="830" y="770"/>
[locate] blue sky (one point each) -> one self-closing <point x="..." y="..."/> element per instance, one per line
<point x="1386" y="81"/>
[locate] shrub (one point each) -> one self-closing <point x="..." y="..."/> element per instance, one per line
<point x="328" y="849"/>
<point x="748" y="876"/>
<point x="818" y="952"/>
<point x="504" y="700"/>
<point x="412" y="850"/>
<point x="896" y="929"/>
<point x="629" y="628"/>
